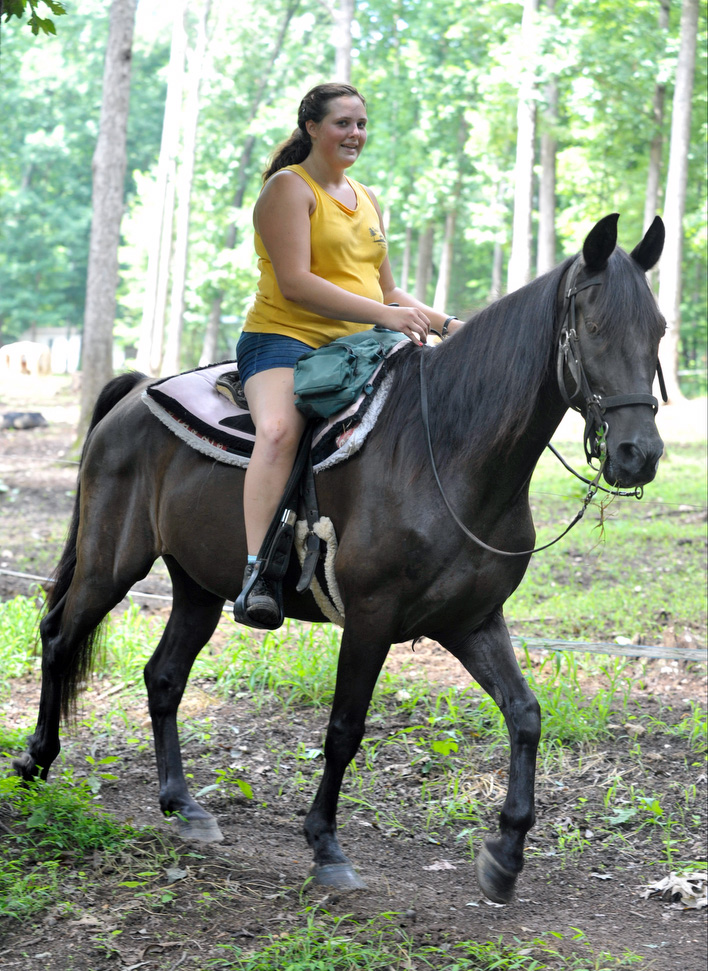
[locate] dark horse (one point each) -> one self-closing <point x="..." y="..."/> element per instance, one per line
<point x="403" y="567"/>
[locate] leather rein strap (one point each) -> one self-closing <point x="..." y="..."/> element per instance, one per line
<point x="595" y="427"/>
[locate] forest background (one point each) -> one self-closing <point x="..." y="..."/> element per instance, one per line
<point x="453" y="89"/>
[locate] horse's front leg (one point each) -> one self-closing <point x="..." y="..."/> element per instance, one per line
<point x="489" y="657"/>
<point x="361" y="657"/>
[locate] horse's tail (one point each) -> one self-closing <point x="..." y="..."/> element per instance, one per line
<point x="82" y="660"/>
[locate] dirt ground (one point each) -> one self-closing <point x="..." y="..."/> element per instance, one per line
<point x="592" y="893"/>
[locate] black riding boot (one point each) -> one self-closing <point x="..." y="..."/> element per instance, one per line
<point x="261" y="604"/>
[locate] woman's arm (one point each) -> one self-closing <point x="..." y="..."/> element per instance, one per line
<point x="394" y="294"/>
<point x="282" y="220"/>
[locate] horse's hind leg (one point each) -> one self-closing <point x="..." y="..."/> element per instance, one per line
<point x="195" y="614"/>
<point x="69" y="633"/>
<point x="489" y="657"/>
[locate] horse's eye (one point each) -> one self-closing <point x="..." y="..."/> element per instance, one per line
<point x="591" y="326"/>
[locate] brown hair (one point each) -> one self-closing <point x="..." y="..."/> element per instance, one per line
<point x="313" y="107"/>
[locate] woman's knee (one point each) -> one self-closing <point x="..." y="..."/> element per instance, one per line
<point x="278" y="434"/>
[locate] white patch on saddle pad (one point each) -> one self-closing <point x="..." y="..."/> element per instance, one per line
<point x="330" y="600"/>
<point x="192" y="408"/>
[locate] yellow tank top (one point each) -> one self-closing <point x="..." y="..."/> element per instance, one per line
<point x="347" y="248"/>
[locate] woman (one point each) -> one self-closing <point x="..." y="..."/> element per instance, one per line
<point x="322" y="256"/>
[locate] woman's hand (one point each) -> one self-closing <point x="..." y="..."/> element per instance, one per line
<point x="409" y="321"/>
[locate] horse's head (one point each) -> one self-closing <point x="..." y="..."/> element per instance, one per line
<point x="608" y="351"/>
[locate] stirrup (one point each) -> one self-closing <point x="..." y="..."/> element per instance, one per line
<point x="240" y="604"/>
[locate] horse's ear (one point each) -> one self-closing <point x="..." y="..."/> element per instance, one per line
<point x="647" y="252"/>
<point x="600" y="243"/>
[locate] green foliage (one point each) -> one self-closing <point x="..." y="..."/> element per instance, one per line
<point x="295" y="665"/>
<point x="18" y="622"/>
<point x="441" y="82"/>
<point x="50" y="823"/>
<point x="47" y="142"/>
<point x="327" y="943"/>
<point x="647" y="558"/>
<point x="17" y="8"/>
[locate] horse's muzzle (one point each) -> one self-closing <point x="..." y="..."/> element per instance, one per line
<point x="633" y="461"/>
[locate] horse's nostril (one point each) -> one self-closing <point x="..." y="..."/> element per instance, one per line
<point x="629" y="452"/>
<point x="634" y="462"/>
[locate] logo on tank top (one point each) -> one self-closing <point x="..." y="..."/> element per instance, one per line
<point x="378" y="237"/>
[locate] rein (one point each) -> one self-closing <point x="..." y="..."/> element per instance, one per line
<point x="595" y="424"/>
<point x="426" y="424"/>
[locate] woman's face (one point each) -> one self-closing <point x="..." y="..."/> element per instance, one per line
<point x="341" y="135"/>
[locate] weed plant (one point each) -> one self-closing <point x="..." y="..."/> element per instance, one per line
<point x="50" y="824"/>
<point x="19" y="625"/>
<point x="295" y="665"/>
<point x="326" y="943"/>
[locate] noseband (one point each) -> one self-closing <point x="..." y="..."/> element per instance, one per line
<point x="583" y="399"/>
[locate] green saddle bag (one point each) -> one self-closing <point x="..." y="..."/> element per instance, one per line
<point x="329" y="378"/>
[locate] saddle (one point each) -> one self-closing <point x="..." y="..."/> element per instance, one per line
<point x="207" y="409"/>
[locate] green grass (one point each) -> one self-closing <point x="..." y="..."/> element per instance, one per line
<point x="51" y="823"/>
<point x="295" y="665"/>
<point x="629" y="568"/>
<point x="327" y="943"/>
<point x="19" y="620"/>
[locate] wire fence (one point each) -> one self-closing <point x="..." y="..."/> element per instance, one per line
<point x="656" y="652"/>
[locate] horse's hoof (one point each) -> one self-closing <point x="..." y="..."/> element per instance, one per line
<point x="203" y="830"/>
<point x="25" y="767"/>
<point x="496" y="882"/>
<point x="340" y="876"/>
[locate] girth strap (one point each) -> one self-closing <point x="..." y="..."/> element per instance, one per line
<point x="313" y="544"/>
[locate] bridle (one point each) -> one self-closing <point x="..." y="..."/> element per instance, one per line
<point x="569" y="356"/>
<point x="594" y="440"/>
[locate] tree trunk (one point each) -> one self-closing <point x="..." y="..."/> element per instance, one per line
<point x="171" y="361"/>
<point x="519" y="271"/>
<point x="651" y="200"/>
<point x="425" y="263"/>
<point x="495" y="289"/>
<point x="343" y="15"/>
<point x="406" y="259"/>
<point x="149" y="357"/>
<point x="442" y="287"/>
<point x="546" y="255"/>
<point x="675" y="205"/>
<point x="211" y="334"/>
<point x="109" y="165"/>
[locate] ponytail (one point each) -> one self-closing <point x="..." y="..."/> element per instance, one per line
<point x="291" y="152"/>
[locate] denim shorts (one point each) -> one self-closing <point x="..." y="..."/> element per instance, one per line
<point x="260" y="352"/>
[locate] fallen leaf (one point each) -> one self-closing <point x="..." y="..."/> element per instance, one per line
<point x="174" y="874"/>
<point x="686" y="891"/>
<point x="441" y="865"/>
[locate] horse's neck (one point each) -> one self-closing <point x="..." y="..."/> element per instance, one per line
<point x="500" y="456"/>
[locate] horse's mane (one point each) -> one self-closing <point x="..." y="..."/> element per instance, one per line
<point x="484" y="382"/>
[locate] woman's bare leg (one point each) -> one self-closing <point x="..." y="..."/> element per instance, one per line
<point x="279" y="428"/>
